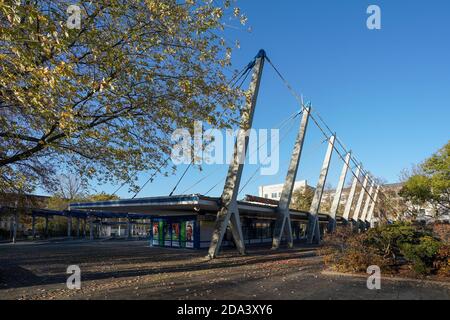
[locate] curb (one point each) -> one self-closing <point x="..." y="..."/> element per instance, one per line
<point x="395" y="279"/>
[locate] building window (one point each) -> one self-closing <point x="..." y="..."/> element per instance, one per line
<point x="266" y="196"/>
<point x="274" y="195"/>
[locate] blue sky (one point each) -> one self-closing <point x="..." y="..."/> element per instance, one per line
<point x="385" y="92"/>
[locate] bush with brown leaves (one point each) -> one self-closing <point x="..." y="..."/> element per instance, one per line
<point x="442" y="231"/>
<point x="346" y="251"/>
<point x="442" y="262"/>
<point x="390" y="247"/>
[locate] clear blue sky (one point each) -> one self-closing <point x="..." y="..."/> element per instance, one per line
<point x="386" y="93"/>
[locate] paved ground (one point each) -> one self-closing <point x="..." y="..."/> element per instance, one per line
<point x="132" y="270"/>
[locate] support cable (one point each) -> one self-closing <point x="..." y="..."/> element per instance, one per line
<point x="300" y="100"/>
<point x="243" y="73"/>
<point x="280" y="126"/>
<point x="314" y="149"/>
<point x="151" y="177"/>
<point x="179" y="180"/>
<point x="343" y="159"/>
<point x="354" y="174"/>
<point x="353" y="157"/>
<point x="260" y="165"/>
<point x="272" y="150"/>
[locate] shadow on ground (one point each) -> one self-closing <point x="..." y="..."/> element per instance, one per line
<point x="46" y="263"/>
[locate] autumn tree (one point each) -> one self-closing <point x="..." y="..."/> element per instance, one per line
<point x="390" y="206"/>
<point x="327" y="198"/>
<point x="71" y="188"/>
<point x="102" y="100"/>
<point x="102" y="196"/>
<point x="56" y="202"/>
<point x="429" y="183"/>
<point x="302" y="198"/>
<point x="68" y="188"/>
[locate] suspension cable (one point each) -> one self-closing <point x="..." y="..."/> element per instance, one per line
<point x="244" y="75"/>
<point x="272" y="150"/>
<point x="300" y="100"/>
<point x="151" y="177"/>
<point x="280" y="126"/>
<point x="314" y="149"/>
<point x="179" y="180"/>
<point x="235" y="79"/>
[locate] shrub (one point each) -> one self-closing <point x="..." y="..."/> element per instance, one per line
<point x="442" y="261"/>
<point x="388" y="246"/>
<point x="386" y="239"/>
<point x="422" y="255"/>
<point x="442" y="231"/>
<point x="346" y="251"/>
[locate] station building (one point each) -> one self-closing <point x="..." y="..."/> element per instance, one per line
<point x="188" y="221"/>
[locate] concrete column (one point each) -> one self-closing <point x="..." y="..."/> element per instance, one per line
<point x="351" y="196"/>
<point x="313" y="229"/>
<point x="230" y="192"/>
<point x="236" y="228"/>
<point x="11" y="227"/>
<point x="99" y="228"/>
<point x="78" y="227"/>
<point x="128" y="228"/>
<point x="91" y="228"/>
<point x="283" y="222"/>
<point x="368" y="202"/>
<point x="372" y="207"/>
<point x="338" y="194"/>
<point x="360" y="200"/>
<point x="69" y="226"/>
<point x="46" y="227"/>
<point x="84" y="228"/>
<point x="15" y="222"/>
<point x="33" y="226"/>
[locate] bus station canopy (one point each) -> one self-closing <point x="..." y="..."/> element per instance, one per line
<point x="186" y="205"/>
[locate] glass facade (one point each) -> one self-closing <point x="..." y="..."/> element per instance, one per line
<point x="194" y="232"/>
<point x="179" y="232"/>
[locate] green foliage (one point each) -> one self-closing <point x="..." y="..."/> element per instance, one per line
<point x="102" y="197"/>
<point x="302" y="199"/>
<point x="387" y="246"/>
<point x="417" y="189"/>
<point x="421" y="254"/>
<point x="56" y="202"/>
<point x="387" y="238"/>
<point x="432" y="183"/>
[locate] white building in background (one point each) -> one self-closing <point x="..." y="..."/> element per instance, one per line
<point x="273" y="191"/>
<point x="424" y="212"/>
